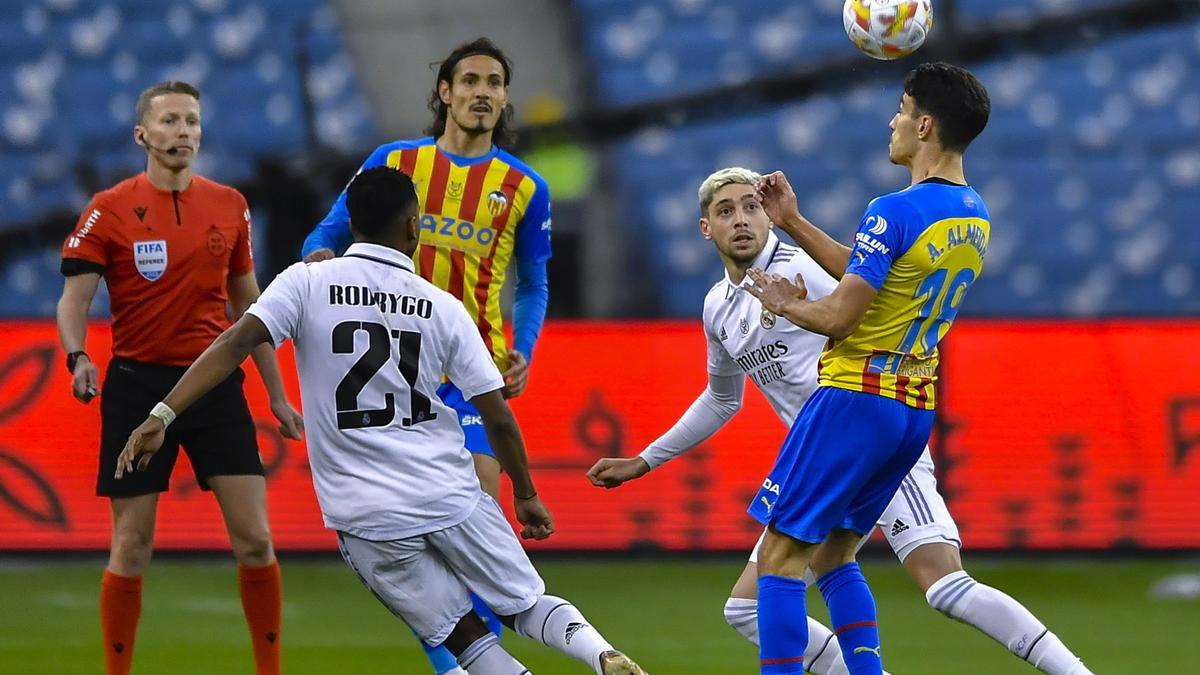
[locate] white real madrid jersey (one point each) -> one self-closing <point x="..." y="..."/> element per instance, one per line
<point x="776" y="354"/>
<point x="373" y="341"/>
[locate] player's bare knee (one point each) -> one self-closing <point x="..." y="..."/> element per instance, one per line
<point x="930" y="562"/>
<point x="782" y="555"/>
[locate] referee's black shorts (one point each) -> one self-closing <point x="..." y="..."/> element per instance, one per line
<point x="216" y="432"/>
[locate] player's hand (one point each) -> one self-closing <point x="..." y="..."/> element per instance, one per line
<point x="144" y="441"/>
<point x="611" y="472"/>
<point x="777" y="197"/>
<point x="535" y="517"/>
<point x="775" y="292"/>
<point x="517" y="375"/>
<point x="85" y="380"/>
<point x="319" y="255"/>
<point x="291" y="423"/>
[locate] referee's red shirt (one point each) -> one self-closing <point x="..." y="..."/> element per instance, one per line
<point x="166" y="257"/>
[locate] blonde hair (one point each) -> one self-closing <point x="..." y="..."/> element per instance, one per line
<point x="719" y="179"/>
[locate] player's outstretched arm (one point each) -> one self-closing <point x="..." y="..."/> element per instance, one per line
<point x="836" y="315"/>
<point x="505" y="436"/>
<point x="719" y="402"/>
<point x="210" y="369"/>
<point x="779" y="201"/>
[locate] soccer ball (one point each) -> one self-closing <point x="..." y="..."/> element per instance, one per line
<point x="887" y="29"/>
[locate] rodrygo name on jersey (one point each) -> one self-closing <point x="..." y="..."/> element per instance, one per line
<point x="373" y="341"/>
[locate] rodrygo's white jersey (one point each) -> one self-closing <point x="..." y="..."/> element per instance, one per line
<point x="777" y="355"/>
<point x="373" y="341"/>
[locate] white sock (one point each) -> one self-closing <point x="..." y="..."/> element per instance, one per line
<point x="1004" y="620"/>
<point x="485" y="656"/>
<point x="742" y="615"/>
<point x="823" y="656"/>
<point x="556" y="623"/>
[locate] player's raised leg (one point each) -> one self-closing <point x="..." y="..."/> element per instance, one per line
<point x="921" y="531"/>
<point x="484" y="553"/>
<point x="418" y="585"/>
<point x="937" y="568"/>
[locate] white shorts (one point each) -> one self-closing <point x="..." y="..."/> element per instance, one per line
<point x="917" y="515"/>
<point x="424" y="580"/>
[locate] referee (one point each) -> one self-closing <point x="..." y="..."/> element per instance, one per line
<point x="173" y="248"/>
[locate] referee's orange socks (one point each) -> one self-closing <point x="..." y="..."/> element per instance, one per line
<point x="262" y="596"/>
<point x="120" y="609"/>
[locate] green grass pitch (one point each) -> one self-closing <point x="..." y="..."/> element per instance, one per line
<point x="665" y="612"/>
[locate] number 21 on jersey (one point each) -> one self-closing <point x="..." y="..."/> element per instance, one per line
<point x="379" y="351"/>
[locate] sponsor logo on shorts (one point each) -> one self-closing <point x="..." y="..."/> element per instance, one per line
<point x="898" y="527"/>
<point x="470" y="420"/>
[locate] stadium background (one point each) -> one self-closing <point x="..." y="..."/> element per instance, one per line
<point x="1070" y="419"/>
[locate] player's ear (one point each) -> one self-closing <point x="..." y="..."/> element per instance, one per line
<point x="411" y="228"/>
<point x="925" y="127"/>
<point x="705" y="229"/>
<point x="444" y="91"/>
<point x="139" y="135"/>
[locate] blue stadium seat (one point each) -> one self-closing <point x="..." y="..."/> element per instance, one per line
<point x="1089" y="166"/>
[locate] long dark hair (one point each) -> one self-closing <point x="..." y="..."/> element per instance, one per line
<point x="502" y="134"/>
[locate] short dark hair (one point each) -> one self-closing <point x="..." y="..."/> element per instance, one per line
<point x="503" y="134"/>
<point x="952" y="96"/>
<point x="169" y="87"/>
<point x="378" y="198"/>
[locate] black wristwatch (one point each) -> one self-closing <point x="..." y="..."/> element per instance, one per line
<point x="72" y="358"/>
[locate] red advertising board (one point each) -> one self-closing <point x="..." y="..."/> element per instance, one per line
<point x="1053" y="435"/>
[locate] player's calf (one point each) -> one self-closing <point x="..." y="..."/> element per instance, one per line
<point x="558" y="624"/>
<point x="478" y="649"/>
<point x="1005" y="620"/>
<point x="822" y="656"/>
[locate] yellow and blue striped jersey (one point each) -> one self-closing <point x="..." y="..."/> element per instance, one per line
<point x="921" y="249"/>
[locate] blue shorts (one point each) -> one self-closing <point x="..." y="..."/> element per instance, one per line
<point x="468" y="419"/>
<point x="841" y="463"/>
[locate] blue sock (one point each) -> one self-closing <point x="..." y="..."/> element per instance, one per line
<point x="852" y="617"/>
<point x="489" y="617"/>
<point x="441" y="659"/>
<point x="782" y="624"/>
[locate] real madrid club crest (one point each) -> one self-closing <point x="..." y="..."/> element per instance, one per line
<point x="767" y="318"/>
<point x="497" y="203"/>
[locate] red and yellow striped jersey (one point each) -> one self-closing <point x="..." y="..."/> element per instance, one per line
<point x="477" y="213"/>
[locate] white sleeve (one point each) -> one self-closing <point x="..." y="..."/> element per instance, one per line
<point x="720" y="401"/>
<point x="470" y="365"/>
<point x="281" y="305"/>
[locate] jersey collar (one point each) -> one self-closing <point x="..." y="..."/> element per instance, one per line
<point x="385" y="255"/>
<point x="761" y="262"/>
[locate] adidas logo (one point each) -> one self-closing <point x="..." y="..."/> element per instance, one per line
<point x="572" y="629"/>
<point x="724" y="336"/>
<point x="898" y="527"/>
